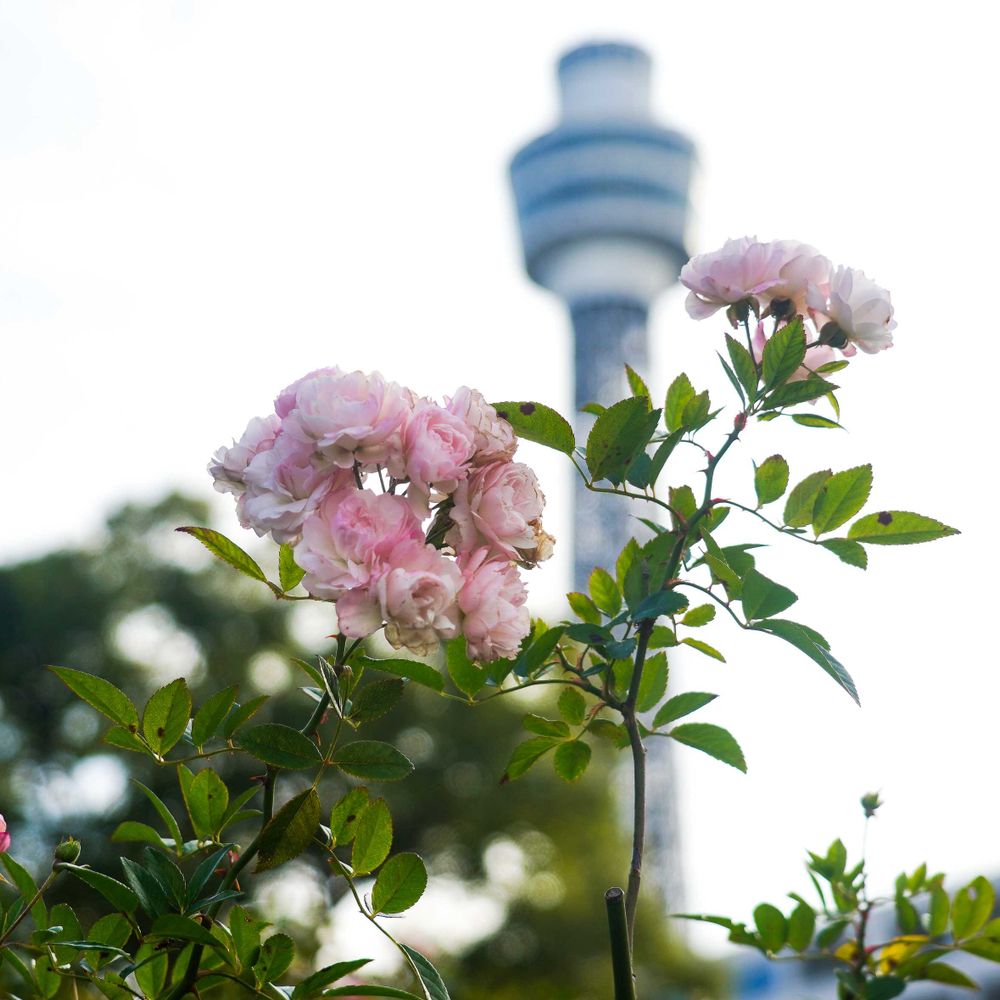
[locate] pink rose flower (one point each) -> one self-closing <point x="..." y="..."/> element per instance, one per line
<point x="347" y="541"/>
<point x="500" y="506"/>
<point x="494" y="438"/>
<point x="437" y="449"/>
<point x="492" y="600"/>
<point x="418" y="596"/>
<point x="285" y="402"/>
<point x="284" y="486"/>
<point x="359" y="613"/>
<point x="229" y="465"/>
<point x="741" y="270"/>
<point x="348" y="417"/>
<point x="861" y="309"/>
<point x="801" y="266"/>
<point x="4" y="836"/>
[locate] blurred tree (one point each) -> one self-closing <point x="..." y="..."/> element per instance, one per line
<point x="148" y="605"/>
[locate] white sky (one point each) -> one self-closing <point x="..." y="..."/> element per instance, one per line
<point x="201" y="201"/>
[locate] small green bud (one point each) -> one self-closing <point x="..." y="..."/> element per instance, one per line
<point x="870" y="803"/>
<point x="68" y="851"/>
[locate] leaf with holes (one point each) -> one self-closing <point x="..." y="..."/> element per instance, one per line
<point x="345" y="815"/>
<point x="539" y="423"/>
<point x="166" y="714"/>
<point x="207" y="800"/>
<point x="898" y="527"/>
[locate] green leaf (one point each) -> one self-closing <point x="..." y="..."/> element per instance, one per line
<point x="763" y="598"/>
<point x="940" y="911"/>
<point x="430" y="979"/>
<point x="637" y="386"/>
<point x="345" y="815"/>
<point x="696" y="411"/>
<point x="617" y="437"/>
<point x="228" y="551"/>
<point x="120" y="896"/>
<point x="166" y="714"/>
<point x="290" y="830"/>
<point x="209" y="717"/>
<point x="883" y="988"/>
<point x="784" y="353"/>
<point x="940" y="972"/>
<point x="280" y="746"/>
<point x="604" y="591"/>
<point x="377" y="699"/>
<point x="681" y="705"/>
<point x="313" y="985"/>
<point x="123" y="739"/>
<point x="627" y="556"/>
<point x="246" y="929"/>
<point x="467" y="677"/>
<point x="571" y="760"/>
<point x="771" y="926"/>
<point x="680" y="393"/>
<point x="208" y="800"/>
<point x="100" y="694"/>
<point x="27" y="888"/>
<point x="173" y="925"/>
<point x="743" y="365"/>
<point x="590" y="635"/>
<point x="372" y="838"/>
<point x="572" y="706"/>
<point x="852" y="553"/>
<point x="971" y="907"/>
<point x="653" y="683"/>
<point x="538" y="423"/>
<point x="371" y="991"/>
<point x="704" y="647"/>
<point x="526" y="754"/>
<point x="133" y="831"/>
<point x="805" y="640"/>
<point x="276" y="955"/>
<point x="713" y="740"/>
<point x="661" y="602"/>
<point x="770" y="479"/>
<point x="414" y="670"/>
<point x="400" y="883"/>
<point x="289" y="572"/>
<point x="814" y="420"/>
<point x="545" y="727"/>
<point x="163" y="812"/>
<point x="841" y="497"/>
<point x="898" y="527"/>
<point x="801" y="391"/>
<point x="239" y="715"/>
<point x="373" y="760"/>
<point x="801" y="501"/>
<point x="584" y="608"/>
<point x="801" y="925"/>
<point x="663" y="451"/>
<point x="205" y="870"/>
<point x="699" y="616"/>
<point x="153" y="894"/>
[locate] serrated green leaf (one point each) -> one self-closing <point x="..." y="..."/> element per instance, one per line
<point x="276" y="955"/>
<point x="898" y="527"/>
<point x="783" y="353"/>
<point x="372" y="838"/>
<point x="166" y="714"/>
<point x="290" y="830"/>
<point x="345" y="815"/>
<point x="814" y="420"/>
<point x="120" y="737"/>
<point x="699" y="616"/>
<point x="526" y="754"/>
<point x="430" y="979"/>
<point x="539" y="423"/>
<point x="571" y="760"/>
<point x="703" y="647"/>
<point x="617" y="437"/>
<point x="545" y="727"/>
<point x="572" y="706"/>
<point x="228" y="551"/>
<point x="637" y="386"/>
<point x="120" y="896"/>
<point x="971" y="907"/>
<point x="100" y="694"/>
<point x="801" y="501"/>
<point x="940" y="911"/>
<point x="376" y="700"/>
<point x="131" y="831"/>
<point x="584" y="608"/>
<point x="681" y="705"/>
<point x="940" y="972"/>
<point x="770" y="479"/>
<point x="239" y="715"/>
<point x="290" y="573"/>
<point x="373" y="760"/>
<point x="400" y="883"/>
<point x="852" y="553"/>
<point x="280" y="746"/>
<point x="209" y="717"/>
<point x="604" y="591"/>
<point x="743" y="365"/>
<point x="772" y="927"/>
<point x="653" y="683"/>
<point x="713" y="740"/>
<point x="763" y="598"/>
<point x="207" y="800"/>
<point x="841" y="497"/>
<point x="28" y="889"/>
<point x="414" y="670"/>
<point x="696" y="411"/>
<point x="467" y="677"/>
<point x="800" y="391"/>
<point x="313" y="985"/>
<point x="680" y="393"/>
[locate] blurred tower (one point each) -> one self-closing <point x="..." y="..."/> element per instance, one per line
<point x="602" y="202"/>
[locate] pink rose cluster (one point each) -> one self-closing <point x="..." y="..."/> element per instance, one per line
<point x="409" y="515"/>
<point x="786" y="278"/>
<point x="4" y="836"/>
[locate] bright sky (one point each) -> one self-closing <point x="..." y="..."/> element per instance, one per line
<point x="201" y="201"/>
